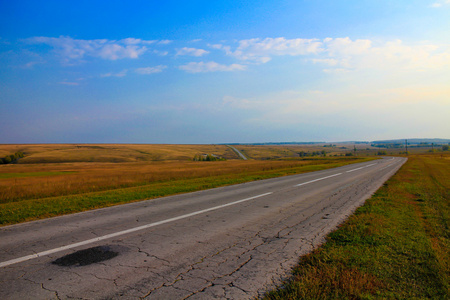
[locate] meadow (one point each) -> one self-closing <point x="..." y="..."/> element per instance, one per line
<point x="51" y="180"/>
<point x="396" y="246"/>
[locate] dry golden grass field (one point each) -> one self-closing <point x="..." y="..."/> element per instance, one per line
<point x="63" y="153"/>
<point x="41" y="183"/>
<point x="116" y="153"/>
<point x="29" y="181"/>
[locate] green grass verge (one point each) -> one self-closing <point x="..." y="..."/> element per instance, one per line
<point x="394" y="247"/>
<point x="26" y="210"/>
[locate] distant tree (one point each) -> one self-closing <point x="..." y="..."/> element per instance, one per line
<point x="11" y="158"/>
<point x="207" y="157"/>
<point x="445" y="148"/>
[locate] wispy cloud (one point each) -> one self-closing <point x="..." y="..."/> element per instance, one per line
<point x="31" y="64"/>
<point x="134" y="41"/>
<point x="164" y="42"/>
<point x="122" y="73"/>
<point x="76" y="49"/>
<point x="69" y="83"/>
<point x="192" y="52"/>
<point x="295" y="107"/>
<point x="262" y="50"/>
<point x="160" y="53"/>
<point x="202" y="67"/>
<point x="341" y="54"/>
<point x="441" y="3"/>
<point x="4" y="42"/>
<point x="336" y="55"/>
<point x="344" y="53"/>
<point x="150" y="70"/>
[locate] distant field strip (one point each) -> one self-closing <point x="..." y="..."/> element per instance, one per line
<point x="33" y="174"/>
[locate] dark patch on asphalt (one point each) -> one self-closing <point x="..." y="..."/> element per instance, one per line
<point x="86" y="257"/>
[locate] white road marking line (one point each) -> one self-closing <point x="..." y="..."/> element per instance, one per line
<point x="318" y="179"/>
<point x="354" y="170"/>
<point x="360" y="168"/>
<point x="108" y="236"/>
<point x="385" y="167"/>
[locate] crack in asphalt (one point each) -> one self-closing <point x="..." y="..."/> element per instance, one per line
<point x="265" y="241"/>
<point x="326" y="212"/>
<point x="56" y="292"/>
<point x="44" y="288"/>
<point x="153" y="256"/>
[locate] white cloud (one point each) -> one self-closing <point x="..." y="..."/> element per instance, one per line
<point x="327" y="61"/>
<point x="227" y="49"/>
<point x="192" y="52"/>
<point x="342" y="54"/>
<point x="336" y="71"/>
<point x="160" y="53"/>
<point x="201" y="67"/>
<point x="150" y="70"/>
<point x="133" y="41"/>
<point x="119" y="74"/>
<point x="345" y="46"/>
<point x="115" y="51"/>
<point x="346" y="54"/>
<point x="76" y="49"/>
<point x="440" y="3"/>
<point x="337" y="55"/>
<point x="261" y="51"/>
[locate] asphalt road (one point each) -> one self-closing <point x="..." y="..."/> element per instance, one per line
<point x="238" y="152"/>
<point x="233" y="242"/>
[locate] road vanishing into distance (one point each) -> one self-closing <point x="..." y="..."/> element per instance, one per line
<point x="238" y="152"/>
<point x="232" y="242"/>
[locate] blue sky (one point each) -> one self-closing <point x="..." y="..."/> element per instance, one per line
<point x="223" y="71"/>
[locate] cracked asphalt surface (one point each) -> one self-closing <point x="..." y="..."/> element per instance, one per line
<point x="234" y="251"/>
